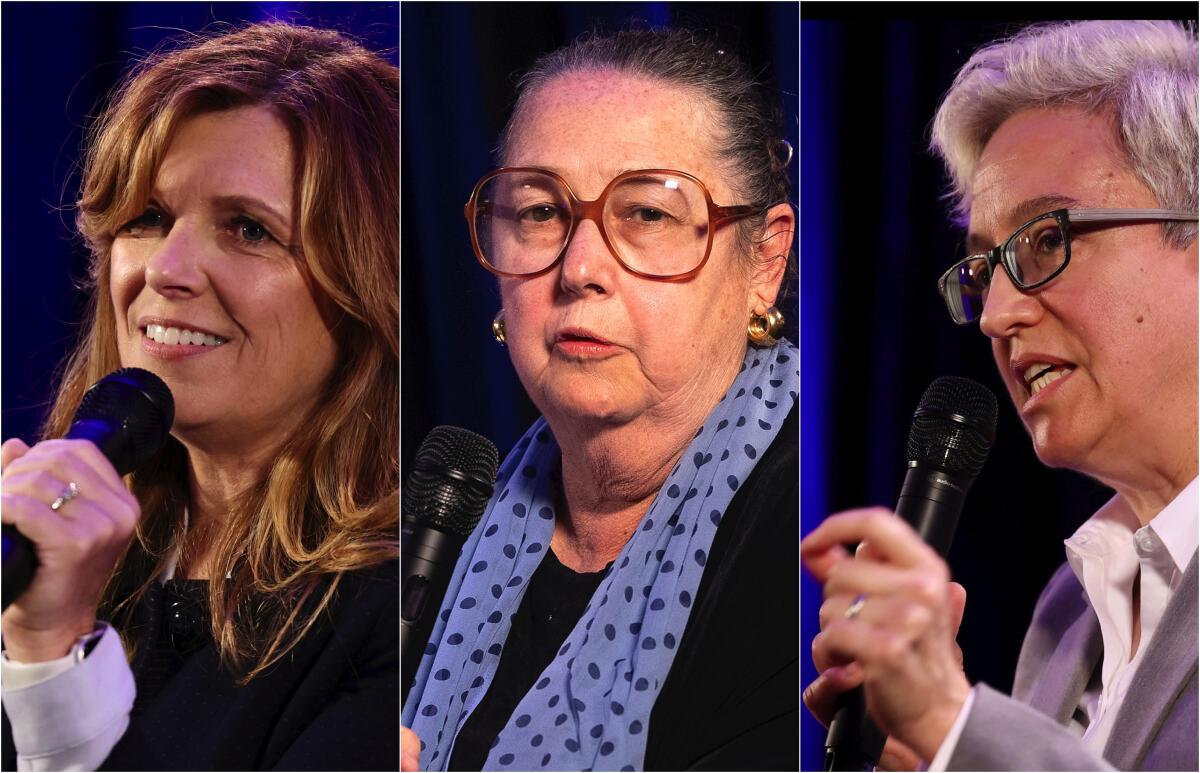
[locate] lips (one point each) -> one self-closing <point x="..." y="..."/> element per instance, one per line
<point x="1039" y="372"/>
<point x="172" y="332"/>
<point x="583" y="345"/>
<point x="579" y="334"/>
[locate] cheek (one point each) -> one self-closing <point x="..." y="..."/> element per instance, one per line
<point x="528" y="305"/>
<point x="1000" y="354"/>
<point x="126" y="276"/>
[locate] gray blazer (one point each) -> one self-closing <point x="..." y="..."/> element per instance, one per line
<point x="1156" y="725"/>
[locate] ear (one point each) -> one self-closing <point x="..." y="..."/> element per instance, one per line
<point x="770" y="257"/>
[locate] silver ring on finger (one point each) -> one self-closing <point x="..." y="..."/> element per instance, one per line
<point x="67" y="494"/>
<point x="856" y="606"/>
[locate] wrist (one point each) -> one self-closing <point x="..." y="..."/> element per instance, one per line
<point x="24" y="645"/>
<point x="938" y="722"/>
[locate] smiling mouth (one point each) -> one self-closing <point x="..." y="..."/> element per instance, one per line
<point x="1040" y="375"/>
<point x="174" y="336"/>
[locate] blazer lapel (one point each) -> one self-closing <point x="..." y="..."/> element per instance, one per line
<point x="1170" y="660"/>
<point x="1066" y="675"/>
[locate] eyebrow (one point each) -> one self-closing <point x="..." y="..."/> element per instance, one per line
<point x="248" y="203"/>
<point x="1021" y="213"/>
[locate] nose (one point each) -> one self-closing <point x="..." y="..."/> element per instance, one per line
<point x="1007" y="308"/>
<point x="587" y="265"/>
<point x="175" y="267"/>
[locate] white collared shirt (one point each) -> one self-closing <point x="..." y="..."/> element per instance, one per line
<point x="1106" y="553"/>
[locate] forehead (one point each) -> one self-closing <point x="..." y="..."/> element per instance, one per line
<point x="244" y="151"/>
<point x="1045" y="159"/>
<point x="589" y="126"/>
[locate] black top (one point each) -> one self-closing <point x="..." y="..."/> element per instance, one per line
<point x="730" y="701"/>
<point x="332" y="703"/>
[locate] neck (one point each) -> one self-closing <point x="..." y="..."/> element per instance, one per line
<point x="1148" y="499"/>
<point x="216" y="483"/>
<point x="1150" y="473"/>
<point x="612" y="473"/>
<point x="1150" y="487"/>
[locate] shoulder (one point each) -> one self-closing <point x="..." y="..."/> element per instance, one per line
<point x="759" y="530"/>
<point x="382" y="578"/>
<point x="773" y="487"/>
<point x="1062" y="600"/>
<point x="741" y="636"/>
<point x="362" y="619"/>
<point x="1052" y="632"/>
<point x="1062" y="603"/>
<point x="373" y="590"/>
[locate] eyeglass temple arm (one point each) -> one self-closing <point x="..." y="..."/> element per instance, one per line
<point x="1098" y="215"/>
<point x="720" y="214"/>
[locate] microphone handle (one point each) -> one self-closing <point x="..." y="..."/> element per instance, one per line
<point x="19" y="555"/>
<point x="930" y="501"/>
<point x="427" y="564"/>
<point x="20" y="563"/>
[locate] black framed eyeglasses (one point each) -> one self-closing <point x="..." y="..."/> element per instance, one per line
<point x="657" y="223"/>
<point x="1037" y="252"/>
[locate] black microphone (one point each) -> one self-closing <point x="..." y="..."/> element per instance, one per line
<point x="952" y="432"/>
<point x="128" y="415"/>
<point x="450" y="485"/>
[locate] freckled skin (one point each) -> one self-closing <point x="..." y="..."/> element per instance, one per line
<point x="1124" y="311"/>
<point x="681" y="342"/>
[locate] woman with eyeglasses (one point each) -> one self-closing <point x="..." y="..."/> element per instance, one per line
<point x="232" y="604"/>
<point x="629" y="598"/>
<point x="1072" y="153"/>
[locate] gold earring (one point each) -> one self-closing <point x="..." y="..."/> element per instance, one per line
<point x="498" y="328"/>
<point x="764" y="329"/>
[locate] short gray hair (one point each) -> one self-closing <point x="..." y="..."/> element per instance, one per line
<point x="1141" y="73"/>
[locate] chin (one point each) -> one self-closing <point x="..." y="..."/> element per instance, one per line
<point x="587" y="401"/>
<point x="1056" y="447"/>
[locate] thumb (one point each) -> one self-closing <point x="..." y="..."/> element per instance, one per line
<point x="410" y="750"/>
<point x="958" y="603"/>
<point x="13" y="448"/>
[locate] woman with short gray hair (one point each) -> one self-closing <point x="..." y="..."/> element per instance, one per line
<point x="1072" y="153"/>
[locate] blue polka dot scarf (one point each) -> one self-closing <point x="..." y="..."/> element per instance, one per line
<point x="591" y="706"/>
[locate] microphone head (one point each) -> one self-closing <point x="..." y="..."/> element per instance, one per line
<point x="128" y="414"/>
<point x="953" y="427"/>
<point x="451" y="481"/>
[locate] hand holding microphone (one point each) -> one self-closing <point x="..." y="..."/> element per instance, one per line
<point x="891" y="615"/>
<point x="833" y="680"/>
<point x="65" y="499"/>
<point x="77" y="544"/>
<point x="901" y="638"/>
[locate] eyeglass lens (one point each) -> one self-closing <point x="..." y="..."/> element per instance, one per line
<point x="1033" y="255"/>
<point x="656" y="223"/>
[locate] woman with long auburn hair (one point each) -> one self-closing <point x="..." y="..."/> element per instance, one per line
<point x="232" y="603"/>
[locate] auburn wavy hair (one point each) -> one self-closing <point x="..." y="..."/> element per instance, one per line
<point x="329" y="504"/>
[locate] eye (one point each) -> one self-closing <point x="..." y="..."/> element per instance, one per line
<point x="648" y="215"/>
<point x="1049" y="240"/>
<point x="151" y="218"/>
<point x="540" y="214"/>
<point x="249" y="230"/>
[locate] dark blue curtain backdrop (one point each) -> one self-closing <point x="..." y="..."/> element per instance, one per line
<point x="459" y="65"/>
<point x="874" y="238"/>
<point x="59" y="61"/>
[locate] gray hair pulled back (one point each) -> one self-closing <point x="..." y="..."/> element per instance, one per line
<point x="1141" y="74"/>
<point x="748" y="134"/>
